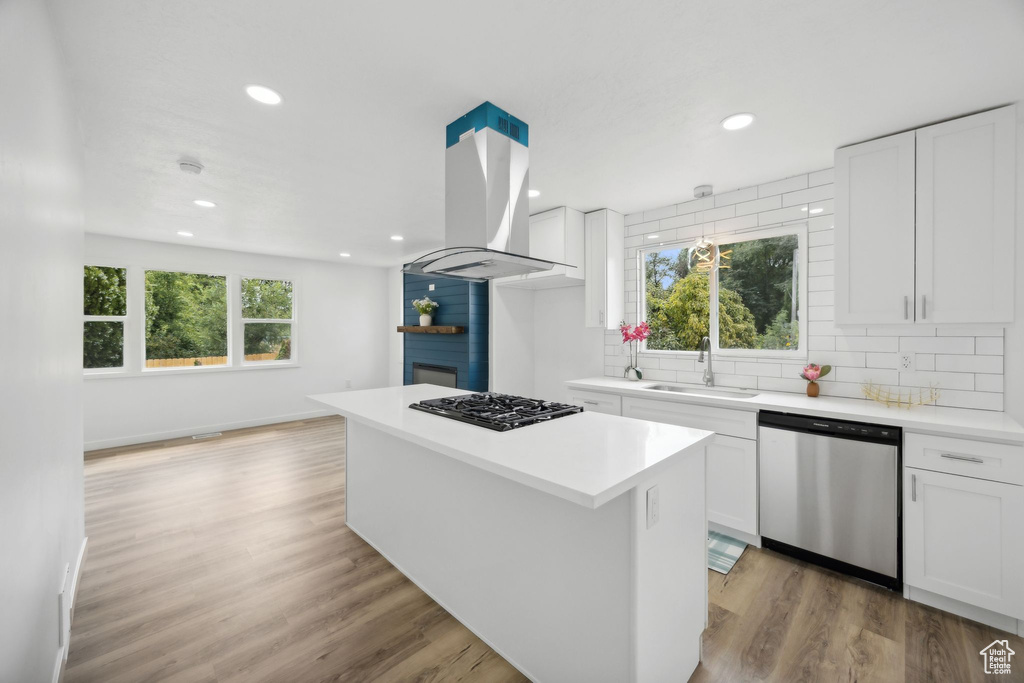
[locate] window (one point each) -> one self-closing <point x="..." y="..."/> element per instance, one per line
<point x="267" y="320"/>
<point x="186" y="319"/>
<point x="747" y="299"/>
<point x="106" y="307"/>
<point x="140" y="321"/>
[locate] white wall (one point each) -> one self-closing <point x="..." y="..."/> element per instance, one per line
<point x="564" y="348"/>
<point x="511" y="356"/>
<point x="342" y="316"/>
<point x="41" y="501"/>
<point x="1014" y="357"/>
<point x="966" y="362"/>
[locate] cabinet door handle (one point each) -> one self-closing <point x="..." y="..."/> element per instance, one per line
<point x="906" y="308"/>
<point x="913" y="487"/>
<point x="924" y="307"/>
<point x="592" y="403"/>
<point x="965" y="458"/>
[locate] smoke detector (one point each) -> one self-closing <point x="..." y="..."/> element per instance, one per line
<point x="189" y="166"/>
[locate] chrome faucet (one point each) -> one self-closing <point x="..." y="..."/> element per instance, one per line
<point x="709" y="375"/>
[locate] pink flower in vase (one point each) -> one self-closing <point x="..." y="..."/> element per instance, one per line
<point x="814" y="372"/>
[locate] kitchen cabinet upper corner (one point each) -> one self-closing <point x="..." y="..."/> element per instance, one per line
<point x="925" y="224"/>
<point x="605" y="268"/>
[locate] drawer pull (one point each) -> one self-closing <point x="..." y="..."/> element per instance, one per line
<point x="965" y="458"/>
<point x="913" y="487"/>
<point x="592" y="403"/>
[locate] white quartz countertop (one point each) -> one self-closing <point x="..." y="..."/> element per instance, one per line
<point x="983" y="424"/>
<point x="589" y="458"/>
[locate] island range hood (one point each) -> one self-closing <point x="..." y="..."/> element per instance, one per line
<point x="486" y="206"/>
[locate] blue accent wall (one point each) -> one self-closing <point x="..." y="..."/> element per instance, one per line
<point x="488" y="116"/>
<point x="461" y="303"/>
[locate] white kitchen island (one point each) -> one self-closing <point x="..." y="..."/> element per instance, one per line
<point x="538" y="539"/>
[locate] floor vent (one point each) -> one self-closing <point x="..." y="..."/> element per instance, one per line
<point x="211" y="435"/>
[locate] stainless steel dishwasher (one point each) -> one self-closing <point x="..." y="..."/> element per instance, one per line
<point x="830" y="494"/>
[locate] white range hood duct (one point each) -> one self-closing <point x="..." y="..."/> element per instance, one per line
<point x="486" y="206"/>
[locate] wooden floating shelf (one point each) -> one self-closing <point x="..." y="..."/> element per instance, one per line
<point x="432" y="329"/>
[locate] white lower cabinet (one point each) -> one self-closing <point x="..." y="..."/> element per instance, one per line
<point x="964" y="539"/>
<point x="731" y="460"/>
<point x="596" y="402"/>
<point x="732" y="483"/>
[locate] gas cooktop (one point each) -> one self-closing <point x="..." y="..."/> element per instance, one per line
<point x="500" y="412"/>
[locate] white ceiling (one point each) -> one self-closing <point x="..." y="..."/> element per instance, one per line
<point x="623" y="100"/>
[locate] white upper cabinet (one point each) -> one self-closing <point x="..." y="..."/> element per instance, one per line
<point x="605" y="269"/>
<point x="965" y="219"/>
<point x="924" y="228"/>
<point x="555" y="235"/>
<point x="874" y="231"/>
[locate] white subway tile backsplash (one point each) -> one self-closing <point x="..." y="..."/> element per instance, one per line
<point x="958" y="345"/>
<point x="988" y="346"/>
<point x="822" y="177"/>
<point x="738" y="223"/>
<point x="720" y="213"/>
<point x="990" y="364"/>
<point x="965" y="362"/>
<point x="877" y="344"/>
<point x="798" y="182"/>
<point x="943" y="380"/>
<point x="880" y="360"/>
<point x="988" y="383"/>
<point x="803" y="197"/>
<point x="826" y="253"/>
<point x="736" y="196"/>
<point x="819" y="268"/>
<point x="676" y="221"/>
<point x="757" y="206"/>
<point x="791" y="213"/>
<point x="658" y="214"/>
<point x="978" y="400"/>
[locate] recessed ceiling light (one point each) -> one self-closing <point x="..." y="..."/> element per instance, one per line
<point x="737" y="121"/>
<point x="817" y="210"/>
<point x="533" y="193"/>
<point x="263" y="94"/>
<point x="397" y="238"/>
<point x="184" y="233"/>
<point x="205" y="203"/>
<point x="652" y="237"/>
<point x="344" y="254"/>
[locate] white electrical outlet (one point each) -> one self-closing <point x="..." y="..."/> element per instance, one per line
<point x="905" y="362"/>
<point x="348" y="384"/>
<point x="430" y="288"/>
<point x="653" y="506"/>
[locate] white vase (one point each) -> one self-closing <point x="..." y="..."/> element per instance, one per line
<point x="425" y="320"/>
<point x="634" y="374"/>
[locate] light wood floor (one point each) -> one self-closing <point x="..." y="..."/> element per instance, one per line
<point x="229" y="560"/>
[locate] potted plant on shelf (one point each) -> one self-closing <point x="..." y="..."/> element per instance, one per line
<point x="812" y="373"/>
<point x="634" y="336"/>
<point x="425" y="307"/>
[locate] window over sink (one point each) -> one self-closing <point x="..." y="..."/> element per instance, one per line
<point x="745" y="292"/>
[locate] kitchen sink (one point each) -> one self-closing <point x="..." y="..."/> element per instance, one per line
<point x="701" y="391"/>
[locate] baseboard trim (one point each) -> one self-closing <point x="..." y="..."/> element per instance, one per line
<point x="62" y="654"/>
<point x="200" y="429"/>
<point x="1002" y="622"/>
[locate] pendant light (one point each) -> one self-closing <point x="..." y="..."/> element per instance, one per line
<point x="702" y="255"/>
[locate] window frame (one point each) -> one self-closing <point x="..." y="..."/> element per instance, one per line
<point x="798" y="229"/>
<point x="243" y="321"/>
<point x="134" y="351"/>
<point x="123" y="319"/>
